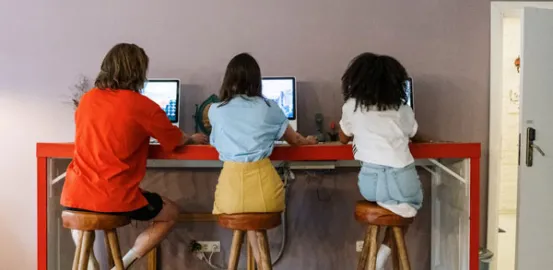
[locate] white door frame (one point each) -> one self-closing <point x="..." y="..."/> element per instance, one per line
<point x="499" y="10"/>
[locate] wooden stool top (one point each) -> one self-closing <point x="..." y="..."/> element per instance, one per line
<point x="371" y="213"/>
<point x="250" y="221"/>
<point x="88" y="221"/>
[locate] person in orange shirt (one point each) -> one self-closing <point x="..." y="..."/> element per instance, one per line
<point x="114" y="123"/>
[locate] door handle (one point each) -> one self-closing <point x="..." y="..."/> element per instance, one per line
<point x="531" y="146"/>
<point x="537" y="148"/>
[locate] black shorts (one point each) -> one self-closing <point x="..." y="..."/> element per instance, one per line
<point x="148" y="212"/>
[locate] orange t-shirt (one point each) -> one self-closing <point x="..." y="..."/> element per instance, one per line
<point x="113" y="130"/>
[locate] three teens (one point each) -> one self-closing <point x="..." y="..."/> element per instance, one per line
<point x="114" y="123"/>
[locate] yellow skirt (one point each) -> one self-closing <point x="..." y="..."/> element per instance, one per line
<point x="249" y="187"/>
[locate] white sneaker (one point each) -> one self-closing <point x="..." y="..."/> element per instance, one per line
<point x="382" y="257"/>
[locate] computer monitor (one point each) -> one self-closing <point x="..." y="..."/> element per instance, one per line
<point x="282" y="90"/>
<point x="165" y="92"/>
<point x="409" y="90"/>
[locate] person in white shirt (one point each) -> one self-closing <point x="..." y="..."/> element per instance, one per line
<point x="380" y="123"/>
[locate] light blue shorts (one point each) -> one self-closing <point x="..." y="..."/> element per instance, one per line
<point x="390" y="186"/>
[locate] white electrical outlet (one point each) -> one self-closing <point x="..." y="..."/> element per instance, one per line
<point x="210" y="246"/>
<point x="359" y="246"/>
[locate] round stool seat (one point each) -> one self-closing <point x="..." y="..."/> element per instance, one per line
<point x="372" y="213"/>
<point x="250" y="221"/>
<point x="88" y="221"/>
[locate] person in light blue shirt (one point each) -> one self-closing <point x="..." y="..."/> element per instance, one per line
<point x="244" y="128"/>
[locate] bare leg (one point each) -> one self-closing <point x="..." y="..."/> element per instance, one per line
<point x="155" y="233"/>
<point x="158" y="230"/>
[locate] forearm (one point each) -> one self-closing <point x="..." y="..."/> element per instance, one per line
<point x="344" y="139"/>
<point x="294" y="138"/>
<point x="186" y="139"/>
<point x="299" y="140"/>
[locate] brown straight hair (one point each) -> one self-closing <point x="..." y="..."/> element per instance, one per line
<point x="242" y="78"/>
<point x="124" y="68"/>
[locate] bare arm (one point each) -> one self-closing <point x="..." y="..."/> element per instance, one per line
<point x="345" y="139"/>
<point x="184" y="140"/>
<point x="294" y="138"/>
<point x="198" y="138"/>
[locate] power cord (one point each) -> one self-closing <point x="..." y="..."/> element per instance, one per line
<point x="207" y="260"/>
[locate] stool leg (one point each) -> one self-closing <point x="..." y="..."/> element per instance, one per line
<point x="152" y="259"/>
<point x="108" y="251"/>
<point x="254" y="245"/>
<point x="401" y="248"/>
<point x="86" y="248"/>
<point x="362" y="264"/>
<point x="234" y="257"/>
<point x="250" y="264"/>
<point x="114" y="247"/>
<point x="264" y="251"/>
<point x="373" y="247"/>
<point x="392" y="245"/>
<point x="78" y="246"/>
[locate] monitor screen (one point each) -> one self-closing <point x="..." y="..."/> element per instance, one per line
<point x="281" y="90"/>
<point x="409" y="92"/>
<point x="166" y="94"/>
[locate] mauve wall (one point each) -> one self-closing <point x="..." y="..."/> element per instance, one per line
<point x="45" y="45"/>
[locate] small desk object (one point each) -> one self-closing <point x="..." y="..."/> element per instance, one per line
<point x="455" y="190"/>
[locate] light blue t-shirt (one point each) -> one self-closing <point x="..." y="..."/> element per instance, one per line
<point x="246" y="128"/>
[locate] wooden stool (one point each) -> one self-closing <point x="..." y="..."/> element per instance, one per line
<point x="242" y="223"/>
<point x="87" y="223"/>
<point x="376" y="217"/>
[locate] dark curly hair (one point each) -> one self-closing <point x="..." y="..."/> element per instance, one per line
<point x="375" y="81"/>
<point x="242" y="77"/>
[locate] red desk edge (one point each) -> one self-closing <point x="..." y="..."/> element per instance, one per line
<point x="321" y="152"/>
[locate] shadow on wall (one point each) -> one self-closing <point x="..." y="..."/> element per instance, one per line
<point x="459" y="108"/>
<point x="190" y="95"/>
<point x="320" y="97"/>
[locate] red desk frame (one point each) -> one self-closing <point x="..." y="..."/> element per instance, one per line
<point x="321" y="152"/>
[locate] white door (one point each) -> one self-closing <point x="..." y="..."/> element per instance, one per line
<point x="535" y="185"/>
